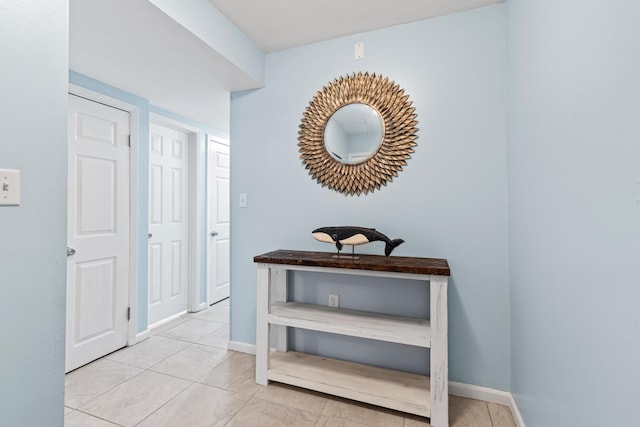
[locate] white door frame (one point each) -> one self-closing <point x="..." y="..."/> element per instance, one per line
<point x="133" y="196"/>
<point x="196" y="188"/>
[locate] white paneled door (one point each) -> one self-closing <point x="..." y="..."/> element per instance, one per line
<point x="168" y="222"/>
<point x="97" y="231"/>
<point x="218" y="248"/>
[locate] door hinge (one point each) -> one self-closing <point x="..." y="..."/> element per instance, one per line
<point x="128" y="313"/>
<point x="129" y="140"/>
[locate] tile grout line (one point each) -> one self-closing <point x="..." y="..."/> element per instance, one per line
<point x="165" y="374"/>
<point x="142" y="370"/>
<point x="108" y="390"/>
<point x="173" y="376"/>
<point x="239" y="409"/>
<point x="184" y="340"/>
<point x="165" y="403"/>
<point x="100" y="418"/>
<point x="486" y="404"/>
<point x="186" y="379"/>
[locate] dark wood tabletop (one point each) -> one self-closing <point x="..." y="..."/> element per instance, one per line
<point x="398" y="264"/>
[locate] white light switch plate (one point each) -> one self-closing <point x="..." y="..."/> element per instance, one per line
<point x="243" y="200"/>
<point x="9" y="187"/>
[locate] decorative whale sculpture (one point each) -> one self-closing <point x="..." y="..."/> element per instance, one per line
<point x="347" y="235"/>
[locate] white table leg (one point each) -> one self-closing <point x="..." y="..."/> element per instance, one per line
<point x="262" y="325"/>
<point x="439" y="352"/>
<point x="279" y="285"/>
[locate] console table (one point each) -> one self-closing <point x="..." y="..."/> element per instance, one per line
<point x="412" y="393"/>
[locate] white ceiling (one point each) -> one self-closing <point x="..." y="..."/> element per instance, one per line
<point x="282" y="24"/>
<point x="133" y="46"/>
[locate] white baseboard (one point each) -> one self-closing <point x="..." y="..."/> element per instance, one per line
<point x="469" y="391"/>
<point x="242" y="347"/>
<point x="477" y="392"/>
<point x="167" y="320"/>
<point x="515" y="412"/>
<point x="199" y="307"/>
<point x="141" y="336"/>
<point x="486" y="394"/>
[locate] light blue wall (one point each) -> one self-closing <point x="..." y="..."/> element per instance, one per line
<point x="574" y="191"/>
<point x="449" y="202"/>
<point x="33" y="139"/>
<point x="144" y="108"/>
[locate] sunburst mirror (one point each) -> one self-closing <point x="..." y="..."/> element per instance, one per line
<point x="357" y="133"/>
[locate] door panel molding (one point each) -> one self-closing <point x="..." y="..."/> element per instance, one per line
<point x="135" y="239"/>
<point x="98" y="284"/>
<point x="196" y="197"/>
<point x="218" y="219"/>
<point x="169" y="226"/>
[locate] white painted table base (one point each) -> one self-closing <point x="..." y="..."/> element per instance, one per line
<point x="317" y="373"/>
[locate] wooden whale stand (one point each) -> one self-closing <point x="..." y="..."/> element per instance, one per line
<point x="412" y="393"/>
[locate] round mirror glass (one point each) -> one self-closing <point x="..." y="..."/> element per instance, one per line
<point x="353" y="133"/>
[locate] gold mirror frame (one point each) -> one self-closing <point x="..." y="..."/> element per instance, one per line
<point x="400" y="133"/>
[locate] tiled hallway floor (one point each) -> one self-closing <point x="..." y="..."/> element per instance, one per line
<point x="183" y="376"/>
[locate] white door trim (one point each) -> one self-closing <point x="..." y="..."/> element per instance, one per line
<point x="196" y="204"/>
<point x="133" y="196"/>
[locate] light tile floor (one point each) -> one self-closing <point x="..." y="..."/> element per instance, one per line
<point x="184" y="376"/>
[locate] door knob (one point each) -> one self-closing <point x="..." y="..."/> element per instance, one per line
<point x="70" y="251"/>
<point x="214" y="233"/>
<point x="150" y="235"/>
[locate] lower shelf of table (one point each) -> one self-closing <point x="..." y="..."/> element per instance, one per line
<point x="377" y="386"/>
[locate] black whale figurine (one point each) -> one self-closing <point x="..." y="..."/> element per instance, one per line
<point x="347" y="235"/>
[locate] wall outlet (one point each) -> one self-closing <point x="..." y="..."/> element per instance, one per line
<point x="334" y="300"/>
